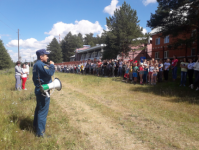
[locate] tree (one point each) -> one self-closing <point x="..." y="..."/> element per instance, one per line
<point x="5" y="59"/>
<point x="176" y="18"/>
<point x="55" y="51"/>
<point x="69" y="45"/>
<point x="124" y="30"/>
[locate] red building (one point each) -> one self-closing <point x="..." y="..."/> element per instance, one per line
<point x="162" y="50"/>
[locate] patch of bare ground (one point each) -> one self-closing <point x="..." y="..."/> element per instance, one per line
<point x="102" y="132"/>
<point x="110" y="133"/>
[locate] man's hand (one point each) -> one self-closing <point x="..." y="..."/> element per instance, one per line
<point x="51" y="62"/>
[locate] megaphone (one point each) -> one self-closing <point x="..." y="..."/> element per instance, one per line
<point x="56" y="84"/>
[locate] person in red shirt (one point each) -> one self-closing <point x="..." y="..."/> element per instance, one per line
<point x="174" y="67"/>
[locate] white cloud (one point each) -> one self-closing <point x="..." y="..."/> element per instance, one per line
<point x="112" y="7"/>
<point x="144" y="31"/>
<point x="83" y="27"/>
<point x="29" y="46"/>
<point x="0" y="36"/>
<point x="146" y="2"/>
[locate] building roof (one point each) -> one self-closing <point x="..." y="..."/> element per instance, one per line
<point x="92" y="48"/>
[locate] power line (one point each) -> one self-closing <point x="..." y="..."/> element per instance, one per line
<point x="8" y="26"/>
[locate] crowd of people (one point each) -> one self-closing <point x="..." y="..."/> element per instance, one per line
<point x="143" y="71"/>
<point x="21" y="75"/>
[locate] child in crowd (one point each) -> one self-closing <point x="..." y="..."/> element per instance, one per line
<point x="131" y="73"/>
<point x="126" y="75"/>
<point x="135" y="72"/>
<point x="151" y="68"/>
<point x="155" y="73"/>
<point x="146" y="68"/>
<point x="141" y="72"/>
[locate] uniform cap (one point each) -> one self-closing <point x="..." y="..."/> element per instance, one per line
<point x="41" y="52"/>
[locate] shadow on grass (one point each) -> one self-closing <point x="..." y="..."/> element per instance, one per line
<point x="170" y="90"/>
<point x="23" y="123"/>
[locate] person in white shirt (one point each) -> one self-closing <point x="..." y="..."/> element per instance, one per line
<point x="190" y="71"/>
<point x="167" y="65"/>
<point x="196" y="71"/>
<point x="24" y="76"/>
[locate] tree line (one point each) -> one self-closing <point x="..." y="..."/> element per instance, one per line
<point x="5" y="59"/>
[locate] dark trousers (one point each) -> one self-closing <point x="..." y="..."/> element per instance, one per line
<point x="196" y="82"/>
<point x="41" y="112"/>
<point x="160" y="76"/>
<point x="190" y="75"/>
<point x="166" y="75"/>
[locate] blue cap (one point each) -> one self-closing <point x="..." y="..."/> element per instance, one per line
<point x="41" y="52"/>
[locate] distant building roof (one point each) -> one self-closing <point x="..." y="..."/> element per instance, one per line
<point x="92" y="48"/>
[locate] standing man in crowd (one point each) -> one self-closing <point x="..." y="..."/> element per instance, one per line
<point x="42" y="74"/>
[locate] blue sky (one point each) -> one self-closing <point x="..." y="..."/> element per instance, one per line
<point x="41" y="20"/>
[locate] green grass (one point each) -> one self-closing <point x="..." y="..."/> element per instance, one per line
<point x="16" y="119"/>
<point x="164" y="116"/>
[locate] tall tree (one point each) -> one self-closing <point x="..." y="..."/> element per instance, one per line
<point x="124" y="29"/>
<point x="177" y="17"/>
<point x="55" y="51"/>
<point x="5" y="59"/>
<point x="69" y="45"/>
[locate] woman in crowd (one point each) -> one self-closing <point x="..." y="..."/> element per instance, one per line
<point x="183" y="66"/>
<point x="24" y="76"/>
<point x="166" y="69"/>
<point x="190" y="71"/>
<point x="174" y="67"/>
<point x="18" y="73"/>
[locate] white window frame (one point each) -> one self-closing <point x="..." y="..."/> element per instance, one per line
<point x="157" y="43"/>
<point x="166" y="39"/>
<point x="192" y="52"/>
<point x="93" y="55"/>
<point x="156" y="55"/>
<point x="165" y="54"/>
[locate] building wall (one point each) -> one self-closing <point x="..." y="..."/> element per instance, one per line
<point x="180" y="52"/>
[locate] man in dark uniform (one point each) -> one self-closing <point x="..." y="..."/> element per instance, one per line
<point x="41" y="75"/>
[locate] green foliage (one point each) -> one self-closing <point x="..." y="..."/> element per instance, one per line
<point x="92" y="41"/>
<point x="69" y="44"/>
<point x="5" y="59"/>
<point x="123" y="31"/>
<point x="175" y="18"/>
<point x="55" y="51"/>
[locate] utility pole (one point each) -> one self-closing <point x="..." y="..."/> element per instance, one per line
<point x="18" y="46"/>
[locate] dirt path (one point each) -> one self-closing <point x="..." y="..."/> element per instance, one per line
<point x="101" y="132"/>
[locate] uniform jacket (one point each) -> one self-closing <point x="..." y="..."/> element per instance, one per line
<point x="44" y="72"/>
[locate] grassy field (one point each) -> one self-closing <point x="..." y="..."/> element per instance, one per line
<point x="102" y="113"/>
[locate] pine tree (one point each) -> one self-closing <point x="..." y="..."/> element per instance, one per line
<point x="55" y="51"/>
<point x="69" y="45"/>
<point x="5" y="59"/>
<point x="123" y="31"/>
<point x="177" y="18"/>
